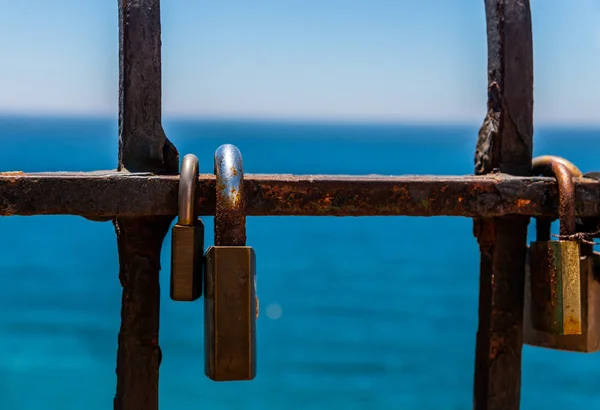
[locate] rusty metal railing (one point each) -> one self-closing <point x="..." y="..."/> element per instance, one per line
<point x="108" y="194"/>
<point x="141" y="200"/>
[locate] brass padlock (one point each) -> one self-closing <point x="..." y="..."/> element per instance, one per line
<point x="589" y="340"/>
<point x="555" y="275"/>
<point x="230" y="303"/>
<point x="187" y="238"/>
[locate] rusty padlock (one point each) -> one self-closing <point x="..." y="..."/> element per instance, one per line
<point x="230" y="303"/>
<point x="589" y="338"/>
<point x="555" y="275"/>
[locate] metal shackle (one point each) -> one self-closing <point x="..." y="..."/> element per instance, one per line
<point x="563" y="171"/>
<point x="543" y="163"/>
<point x="230" y="209"/>
<point x="187" y="190"/>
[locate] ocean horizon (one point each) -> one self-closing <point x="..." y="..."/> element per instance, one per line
<point x="356" y="313"/>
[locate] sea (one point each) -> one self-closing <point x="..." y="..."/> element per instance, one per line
<point x="356" y="312"/>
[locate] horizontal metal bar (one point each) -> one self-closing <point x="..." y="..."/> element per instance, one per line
<point x="110" y="193"/>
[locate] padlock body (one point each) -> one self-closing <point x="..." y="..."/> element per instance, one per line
<point x="187" y="249"/>
<point x="555" y="284"/>
<point x="230" y="313"/>
<point x="589" y="340"/>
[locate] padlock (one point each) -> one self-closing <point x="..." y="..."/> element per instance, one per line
<point x="187" y="238"/>
<point x="555" y="276"/>
<point x="230" y="303"/>
<point x="589" y="339"/>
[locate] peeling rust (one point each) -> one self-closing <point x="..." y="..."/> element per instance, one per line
<point x="230" y="197"/>
<point x="11" y="176"/>
<point x="106" y="195"/>
<point x="501" y="203"/>
<point x="144" y="148"/>
<point x="504" y="145"/>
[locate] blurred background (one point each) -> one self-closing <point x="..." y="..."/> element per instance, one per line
<point x="356" y="313"/>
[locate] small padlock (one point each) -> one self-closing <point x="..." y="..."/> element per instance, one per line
<point x="187" y="238"/>
<point x="230" y="303"/>
<point x="589" y="340"/>
<point x="555" y="275"/>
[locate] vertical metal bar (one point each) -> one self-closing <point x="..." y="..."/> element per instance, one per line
<point x="143" y="147"/>
<point x="505" y="143"/>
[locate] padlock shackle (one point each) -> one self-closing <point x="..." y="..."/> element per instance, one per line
<point x="230" y="208"/>
<point x="542" y="165"/>
<point x="188" y="178"/>
<point x="566" y="198"/>
<point x="563" y="171"/>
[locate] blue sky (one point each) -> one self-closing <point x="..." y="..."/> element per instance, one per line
<point x="391" y="60"/>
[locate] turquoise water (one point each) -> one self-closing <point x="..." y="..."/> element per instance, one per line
<point x="356" y="313"/>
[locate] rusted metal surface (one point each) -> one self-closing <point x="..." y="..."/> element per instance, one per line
<point x="230" y="196"/>
<point x="504" y="144"/>
<point x="108" y="193"/>
<point x="505" y="138"/>
<point x="143" y="147"/>
<point x="589" y="227"/>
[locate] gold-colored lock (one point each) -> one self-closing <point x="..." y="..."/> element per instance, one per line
<point x="187" y="238"/>
<point x="589" y="340"/>
<point x="555" y="304"/>
<point x="230" y="303"/>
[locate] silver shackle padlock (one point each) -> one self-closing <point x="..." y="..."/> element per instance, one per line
<point x="230" y="303"/>
<point x="187" y="238"/>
